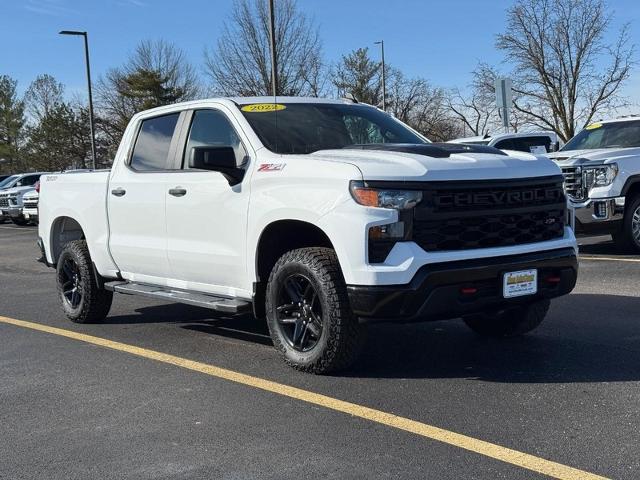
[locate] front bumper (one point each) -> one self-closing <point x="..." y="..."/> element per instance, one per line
<point x="11" y="212"/>
<point x="599" y="215"/>
<point x="30" y="213"/>
<point x="435" y="292"/>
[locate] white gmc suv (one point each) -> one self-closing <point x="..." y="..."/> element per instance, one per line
<point x="319" y="215"/>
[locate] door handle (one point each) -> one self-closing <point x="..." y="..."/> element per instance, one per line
<point x="118" y="192"/>
<point x="178" y="192"/>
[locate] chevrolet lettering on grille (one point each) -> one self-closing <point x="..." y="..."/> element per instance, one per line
<point x="487" y="199"/>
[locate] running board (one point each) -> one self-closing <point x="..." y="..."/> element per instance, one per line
<point x="214" y="302"/>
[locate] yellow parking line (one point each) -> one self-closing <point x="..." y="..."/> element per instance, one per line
<point x="513" y="457"/>
<point x="609" y="259"/>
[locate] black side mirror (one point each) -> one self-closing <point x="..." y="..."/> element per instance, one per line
<point x="217" y="159"/>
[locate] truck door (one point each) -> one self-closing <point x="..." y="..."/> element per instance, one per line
<point x="136" y="201"/>
<point x="206" y="217"/>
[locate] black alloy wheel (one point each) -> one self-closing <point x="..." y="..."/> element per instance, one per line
<point x="299" y="313"/>
<point x="71" y="282"/>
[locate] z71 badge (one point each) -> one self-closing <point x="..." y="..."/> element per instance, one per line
<point x="271" y="167"/>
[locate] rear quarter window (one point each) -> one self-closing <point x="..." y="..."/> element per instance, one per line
<point x="151" y="150"/>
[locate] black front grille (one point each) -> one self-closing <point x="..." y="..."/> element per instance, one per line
<point x="484" y="214"/>
<point x="4" y="201"/>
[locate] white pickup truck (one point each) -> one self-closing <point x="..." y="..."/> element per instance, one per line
<point x="320" y="215"/>
<point x="601" y="165"/>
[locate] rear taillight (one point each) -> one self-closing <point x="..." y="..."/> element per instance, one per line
<point x="38" y="186"/>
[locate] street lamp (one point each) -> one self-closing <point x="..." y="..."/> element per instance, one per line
<point x="384" y="85"/>
<point x="91" y="122"/>
<point x="272" y="45"/>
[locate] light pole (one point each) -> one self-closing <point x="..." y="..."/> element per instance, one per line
<point x="272" y="41"/>
<point x="91" y="121"/>
<point x="384" y="85"/>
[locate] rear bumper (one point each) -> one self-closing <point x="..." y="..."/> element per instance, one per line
<point x="435" y="291"/>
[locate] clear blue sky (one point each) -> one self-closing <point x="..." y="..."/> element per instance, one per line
<point x="439" y="40"/>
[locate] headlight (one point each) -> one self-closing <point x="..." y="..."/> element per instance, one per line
<point x="382" y="238"/>
<point x="383" y="198"/>
<point x="601" y="176"/>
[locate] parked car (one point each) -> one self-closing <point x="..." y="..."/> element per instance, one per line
<point x="532" y="142"/>
<point x="30" y="204"/>
<point x="319" y="215"/>
<point x="601" y="165"/>
<point x="11" y="194"/>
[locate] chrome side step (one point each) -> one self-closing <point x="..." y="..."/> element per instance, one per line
<point x="214" y="302"/>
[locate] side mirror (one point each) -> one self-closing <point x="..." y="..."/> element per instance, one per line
<point x="217" y="159"/>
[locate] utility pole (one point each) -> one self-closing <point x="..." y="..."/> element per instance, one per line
<point x="91" y="118"/>
<point x="272" y="38"/>
<point x="384" y="84"/>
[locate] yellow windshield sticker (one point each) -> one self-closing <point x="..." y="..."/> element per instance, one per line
<point x="593" y="126"/>
<point x="263" y="107"/>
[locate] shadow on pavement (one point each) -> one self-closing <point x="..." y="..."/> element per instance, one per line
<point x="585" y="338"/>
<point x="245" y="327"/>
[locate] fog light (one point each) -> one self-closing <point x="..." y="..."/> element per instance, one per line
<point x="389" y="231"/>
<point x="600" y="209"/>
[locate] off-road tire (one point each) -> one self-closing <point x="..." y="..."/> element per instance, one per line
<point x="624" y="240"/>
<point x="95" y="302"/>
<point x="21" y="221"/>
<point x="341" y="339"/>
<point x="509" y="322"/>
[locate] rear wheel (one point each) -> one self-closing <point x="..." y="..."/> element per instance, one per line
<point x="627" y="239"/>
<point x="509" y="322"/>
<point x="308" y="312"/>
<point x="83" y="301"/>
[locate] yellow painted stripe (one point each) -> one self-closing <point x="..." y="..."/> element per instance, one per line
<point x="508" y="455"/>
<point x="609" y="259"/>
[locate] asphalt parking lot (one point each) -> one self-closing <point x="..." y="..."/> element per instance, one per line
<point x="569" y="393"/>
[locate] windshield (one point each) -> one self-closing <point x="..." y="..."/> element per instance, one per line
<point x="309" y="127"/>
<point x="606" y="135"/>
<point x="7" y="182"/>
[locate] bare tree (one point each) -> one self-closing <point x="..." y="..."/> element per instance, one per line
<point x="557" y="48"/>
<point x="475" y="111"/>
<point x="420" y="105"/>
<point x="240" y="63"/>
<point x="43" y="94"/>
<point x="157" y="73"/>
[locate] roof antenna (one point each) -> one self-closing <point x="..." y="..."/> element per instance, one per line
<point x="274" y="64"/>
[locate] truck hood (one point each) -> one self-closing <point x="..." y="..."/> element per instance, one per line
<point x="404" y="166"/>
<point x="19" y="190"/>
<point x="596" y="156"/>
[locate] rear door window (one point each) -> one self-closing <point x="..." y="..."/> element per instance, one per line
<point x="151" y="150"/>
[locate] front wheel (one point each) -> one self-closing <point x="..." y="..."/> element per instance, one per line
<point x="308" y="312"/>
<point x="509" y="322"/>
<point x="627" y="239"/>
<point x="83" y="301"/>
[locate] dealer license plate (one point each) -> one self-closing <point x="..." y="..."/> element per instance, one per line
<point x="517" y="284"/>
